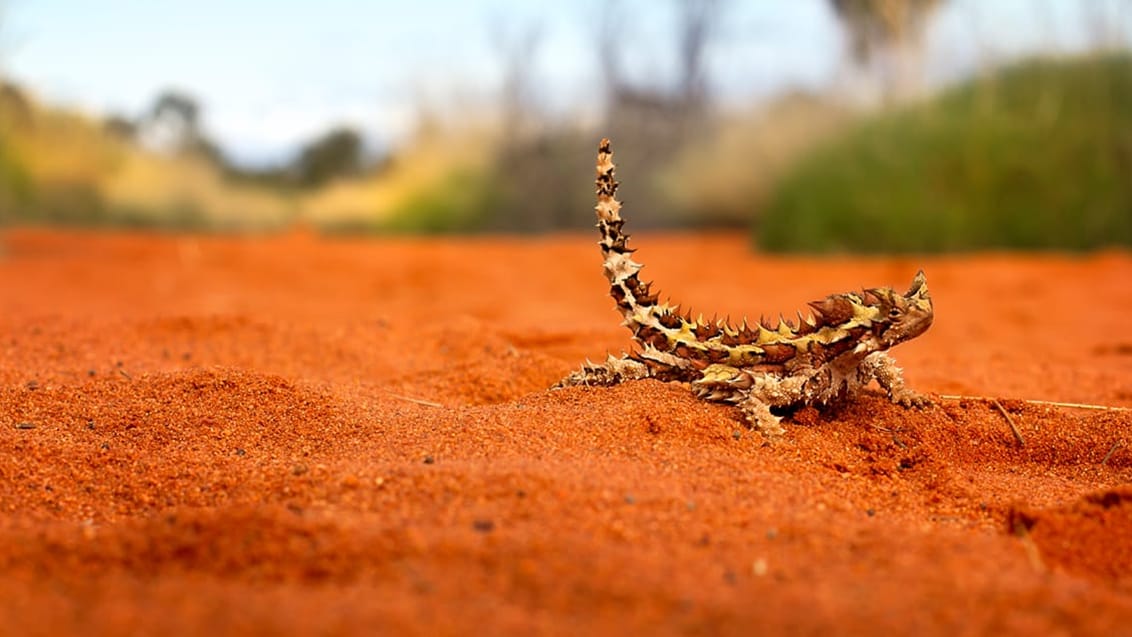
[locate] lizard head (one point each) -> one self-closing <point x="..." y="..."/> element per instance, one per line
<point x="900" y="317"/>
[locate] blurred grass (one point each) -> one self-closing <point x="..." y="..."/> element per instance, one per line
<point x="444" y="181"/>
<point x="1037" y="156"/>
<point x="470" y="175"/>
<point x="60" y="167"/>
<point x="726" y="177"/>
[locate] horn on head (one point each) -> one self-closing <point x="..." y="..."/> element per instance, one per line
<point x="919" y="285"/>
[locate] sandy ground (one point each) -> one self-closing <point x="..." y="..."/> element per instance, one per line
<point x="205" y="435"/>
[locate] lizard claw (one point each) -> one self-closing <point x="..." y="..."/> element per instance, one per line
<point x="911" y="399"/>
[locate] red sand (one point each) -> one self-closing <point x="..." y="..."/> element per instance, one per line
<point x="220" y="434"/>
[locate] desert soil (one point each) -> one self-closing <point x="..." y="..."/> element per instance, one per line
<point x="294" y="434"/>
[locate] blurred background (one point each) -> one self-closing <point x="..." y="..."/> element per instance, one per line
<point x="814" y="125"/>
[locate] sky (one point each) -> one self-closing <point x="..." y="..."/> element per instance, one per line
<point x="271" y="75"/>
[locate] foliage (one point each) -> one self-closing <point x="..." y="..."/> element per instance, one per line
<point x="442" y="181"/>
<point x="460" y="202"/>
<point x="725" y="175"/>
<point x="15" y="187"/>
<point x="61" y="167"/>
<point x="542" y="182"/>
<point x="1038" y="156"/>
<point x="338" y="153"/>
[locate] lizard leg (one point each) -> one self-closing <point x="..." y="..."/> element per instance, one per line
<point x="611" y="372"/>
<point x="882" y="367"/>
<point x="758" y="416"/>
<point x="752" y="392"/>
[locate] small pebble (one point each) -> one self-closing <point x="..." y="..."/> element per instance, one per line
<point x="759" y="567"/>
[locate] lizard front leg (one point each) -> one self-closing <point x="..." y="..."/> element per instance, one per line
<point x="758" y="416"/>
<point x="754" y="393"/>
<point x="883" y="368"/>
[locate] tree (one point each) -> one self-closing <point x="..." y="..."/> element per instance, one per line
<point x="121" y="127"/>
<point x="885" y="39"/>
<point x="173" y="125"/>
<point x="657" y="119"/>
<point x="337" y="153"/>
<point x="3" y="44"/>
<point x="179" y="107"/>
<point x="697" y="25"/>
<point x="518" y="50"/>
<point x="610" y="22"/>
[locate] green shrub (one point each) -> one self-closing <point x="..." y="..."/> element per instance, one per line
<point x="461" y="202"/>
<point x="15" y="185"/>
<point x="1038" y="156"/>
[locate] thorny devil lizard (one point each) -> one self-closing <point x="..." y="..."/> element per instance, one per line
<point x="823" y="358"/>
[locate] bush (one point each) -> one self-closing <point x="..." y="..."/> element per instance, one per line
<point x="1038" y="156"/>
<point x="15" y="185"/>
<point x="460" y="202"/>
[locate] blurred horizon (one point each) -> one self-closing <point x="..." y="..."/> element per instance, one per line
<point x="818" y="125"/>
<point x="269" y="77"/>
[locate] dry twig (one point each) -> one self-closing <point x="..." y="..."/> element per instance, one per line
<point x="426" y="403"/>
<point x="1111" y="451"/>
<point x="1049" y="403"/>
<point x="1033" y="554"/>
<point x="1009" y="421"/>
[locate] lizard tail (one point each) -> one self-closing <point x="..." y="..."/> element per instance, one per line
<point x="634" y="298"/>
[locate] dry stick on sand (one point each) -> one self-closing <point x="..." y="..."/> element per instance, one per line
<point x="1009" y="421"/>
<point x="426" y="403"/>
<point x="1014" y="429"/>
<point x="1111" y="451"/>
<point x="1049" y="403"/>
<point x="1032" y="553"/>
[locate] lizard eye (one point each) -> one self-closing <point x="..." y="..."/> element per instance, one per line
<point x="894" y="312"/>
